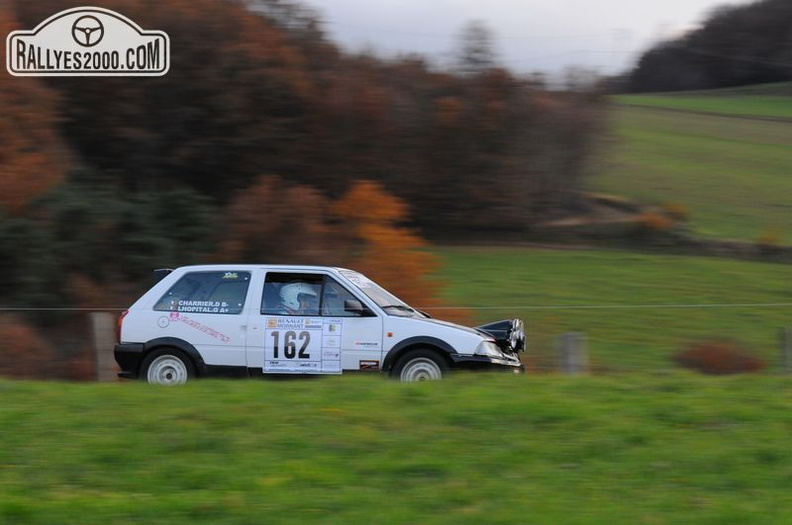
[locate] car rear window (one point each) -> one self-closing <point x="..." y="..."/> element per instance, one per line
<point x="221" y="292"/>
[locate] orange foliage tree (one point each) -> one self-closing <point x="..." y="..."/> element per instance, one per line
<point x="32" y="156"/>
<point x="278" y="222"/>
<point x="387" y="251"/>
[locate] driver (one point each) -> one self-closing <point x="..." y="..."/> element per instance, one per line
<point x="298" y="299"/>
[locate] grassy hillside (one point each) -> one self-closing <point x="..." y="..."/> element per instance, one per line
<point x="638" y="310"/>
<point x="772" y="101"/>
<point x="726" y="156"/>
<point x="761" y="107"/>
<point x="347" y="450"/>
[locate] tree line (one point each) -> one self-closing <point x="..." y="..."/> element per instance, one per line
<point x="736" y="45"/>
<point x="256" y="88"/>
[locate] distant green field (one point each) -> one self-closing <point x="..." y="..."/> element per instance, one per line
<point x="772" y="101"/>
<point x="723" y="158"/>
<point x="473" y="449"/>
<point x="638" y="310"/>
<point x="774" y="108"/>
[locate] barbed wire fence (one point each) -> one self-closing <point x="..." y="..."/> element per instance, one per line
<point x="569" y="351"/>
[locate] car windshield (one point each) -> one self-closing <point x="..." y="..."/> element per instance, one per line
<point x="384" y="299"/>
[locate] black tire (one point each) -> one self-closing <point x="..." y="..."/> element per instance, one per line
<point x="420" y="364"/>
<point x="167" y="366"/>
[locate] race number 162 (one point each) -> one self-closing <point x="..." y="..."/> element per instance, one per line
<point x="294" y="344"/>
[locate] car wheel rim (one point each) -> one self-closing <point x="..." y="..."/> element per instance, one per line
<point x="167" y="370"/>
<point x="421" y="370"/>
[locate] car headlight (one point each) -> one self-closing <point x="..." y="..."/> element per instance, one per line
<point x="517" y="335"/>
<point x="489" y="349"/>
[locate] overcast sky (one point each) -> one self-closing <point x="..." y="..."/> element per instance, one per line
<point x="529" y="35"/>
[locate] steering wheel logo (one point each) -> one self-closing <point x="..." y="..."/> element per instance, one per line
<point x="87" y="31"/>
<point x="86" y="42"/>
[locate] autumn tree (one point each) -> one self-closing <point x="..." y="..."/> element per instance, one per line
<point x="33" y="157"/>
<point x="273" y="221"/>
<point x="387" y="251"/>
<point x="25" y="354"/>
<point x="233" y="103"/>
<point x="475" y="52"/>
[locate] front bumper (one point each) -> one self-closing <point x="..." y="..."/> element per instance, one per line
<point x="128" y="356"/>
<point x="477" y="362"/>
<point x="509" y="334"/>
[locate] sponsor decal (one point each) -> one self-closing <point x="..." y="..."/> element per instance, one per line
<point x="87" y="41"/>
<point x="286" y="323"/>
<point x="359" y="280"/>
<point x="297" y="345"/>
<point x="313" y="324"/>
<point x="200" y="307"/>
<point x="192" y="323"/>
<point x="370" y="365"/>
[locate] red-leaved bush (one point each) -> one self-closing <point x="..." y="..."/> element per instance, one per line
<point x="23" y="353"/>
<point x="719" y="357"/>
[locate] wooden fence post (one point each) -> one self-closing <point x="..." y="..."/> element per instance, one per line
<point x="786" y="350"/>
<point x="103" y="326"/>
<point x="573" y="353"/>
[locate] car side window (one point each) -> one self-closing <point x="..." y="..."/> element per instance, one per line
<point x="291" y="294"/>
<point x="308" y="294"/>
<point x="207" y="293"/>
<point x="337" y="301"/>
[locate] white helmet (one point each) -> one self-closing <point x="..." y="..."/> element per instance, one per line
<point x="290" y="294"/>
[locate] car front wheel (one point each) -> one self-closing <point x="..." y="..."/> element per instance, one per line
<point x="167" y="367"/>
<point x="420" y="365"/>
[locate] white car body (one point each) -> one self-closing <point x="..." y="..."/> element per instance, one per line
<point x="219" y="320"/>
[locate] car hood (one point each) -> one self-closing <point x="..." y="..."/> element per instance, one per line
<point x="508" y="334"/>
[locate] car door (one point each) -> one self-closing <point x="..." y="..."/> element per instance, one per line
<point x="310" y="324"/>
<point x="360" y="330"/>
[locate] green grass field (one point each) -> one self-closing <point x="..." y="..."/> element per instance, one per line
<point x="638" y="310"/>
<point x="639" y="442"/>
<point x="658" y="449"/>
<point x="752" y="107"/>
<point x="720" y="155"/>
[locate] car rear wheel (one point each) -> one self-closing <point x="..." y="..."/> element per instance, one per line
<point x="167" y="367"/>
<point x="420" y="365"/>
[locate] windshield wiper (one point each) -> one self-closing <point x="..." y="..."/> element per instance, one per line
<point x="404" y="308"/>
<point x="399" y="307"/>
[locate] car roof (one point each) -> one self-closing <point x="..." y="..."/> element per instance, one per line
<point x="248" y="266"/>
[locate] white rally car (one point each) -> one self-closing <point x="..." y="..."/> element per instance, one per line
<point x="255" y="320"/>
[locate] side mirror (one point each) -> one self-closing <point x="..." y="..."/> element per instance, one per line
<point x="356" y="307"/>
